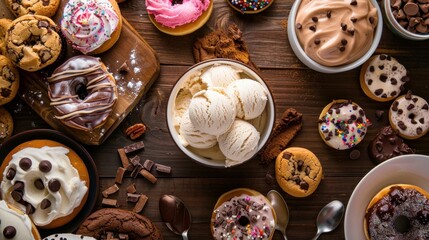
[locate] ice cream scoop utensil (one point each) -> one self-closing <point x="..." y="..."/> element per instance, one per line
<point x="281" y="209"/>
<point x="329" y="217"/>
<point x="175" y="215"/>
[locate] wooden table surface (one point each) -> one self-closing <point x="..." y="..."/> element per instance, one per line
<point x="292" y="84"/>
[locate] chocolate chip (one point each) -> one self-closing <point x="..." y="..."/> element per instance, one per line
<point x="342" y="48"/>
<point x="45" y="166"/>
<point x="384" y="95"/>
<point x="45" y="203"/>
<point x="415" y="99"/>
<point x="402" y="125"/>
<point x="344" y="42"/>
<point x="351" y="31"/>
<point x="419" y="130"/>
<point x="408" y="96"/>
<point x="304" y="185"/>
<point x="381" y="67"/>
<point x="328" y="14"/>
<point x="411" y="106"/>
<point x="45" y="2"/>
<point x="379" y="114"/>
<point x="371" y="69"/>
<point x="353" y="19"/>
<point x="369" y="82"/>
<point x="314" y="19"/>
<point x="270" y="179"/>
<point x="378" y="92"/>
<point x="353" y="3"/>
<point x="383" y="57"/>
<point x="383" y="77"/>
<point x="312" y="28"/>
<point x="371" y="20"/>
<point x="29" y="209"/>
<point x="343" y="26"/>
<point x="45" y="55"/>
<point x="400" y="111"/>
<point x="425" y="107"/>
<point x="54" y="185"/>
<point x="307" y="171"/>
<point x="422" y="120"/>
<point x="25" y="163"/>
<point x="11" y="172"/>
<point x="43" y="24"/>
<point x="9" y="232"/>
<point x="394" y="68"/>
<point x="394" y="93"/>
<point x="16" y="195"/>
<point x="19" y="186"/>
<point x="38" y="183"/>
<point x="299" y="26"/>
<point x="393" y="81"/>
<point x="317" y="41"/>
<point x="413" y="121"/>
<point x="300" y="164"/>
<point x="354" y="154"/>
<point x="353" y="117"/>
<point x="395" y="106"/>
<point x="411" y="8"/>
<point x="287" y="155"/>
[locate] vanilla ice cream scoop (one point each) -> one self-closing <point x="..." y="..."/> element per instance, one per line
<point x="240" y="143"/>
<point x="220" y="76"/>
<point x="189" y="135"/>
<point x="212" y="111"/>
<point x="250" y="98"/>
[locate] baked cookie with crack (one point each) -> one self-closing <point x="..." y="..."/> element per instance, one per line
<point x="33" y="42"/>
<point x="6" y="124"/>
<point x="9" y="80"/>
<point x="4" y="25"/>
<point x="118" y="221"/>
<point x="298" y="171"/>
<point x="39" y="7"/>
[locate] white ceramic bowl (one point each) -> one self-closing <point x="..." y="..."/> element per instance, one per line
<point x="302" y="56"/>
<point x="407" y="169"/>
<point x="398" y="29"/>
<point x="199" y="156"/>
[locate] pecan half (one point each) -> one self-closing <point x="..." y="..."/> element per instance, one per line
<point x="135" y="131"/>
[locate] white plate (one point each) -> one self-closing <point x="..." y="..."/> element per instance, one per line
<point x="408" y="169"/>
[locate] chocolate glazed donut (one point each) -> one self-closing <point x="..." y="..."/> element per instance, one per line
<point x="82" y="92"/>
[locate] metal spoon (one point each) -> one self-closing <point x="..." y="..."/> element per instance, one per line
<point x="175" y="215"/>
<point x="329" y="217"/>
<point x="281" y="209"/>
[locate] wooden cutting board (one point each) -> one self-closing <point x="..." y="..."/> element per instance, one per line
<point x="131" y="49"/>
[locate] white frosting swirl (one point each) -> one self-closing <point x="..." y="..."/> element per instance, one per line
<point x="88" y="23"/>
<point x="21" y="222"/>
<point x="71" y="192"/>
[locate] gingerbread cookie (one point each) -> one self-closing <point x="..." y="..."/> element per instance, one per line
<point x="39" y="7"/>
<point x="32" y="42"/>
<point x="4" y="25"/>
<point x="117" y="221"/>
<point x="382" y="78"/>
<point x="6" y="124"/>
<point x="387" y="144"/>
<point x="298" y="171"/>
<point x="9" y="80"/>
<point x="409" y="114"/>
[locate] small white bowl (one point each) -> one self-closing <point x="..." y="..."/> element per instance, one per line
<point x="195" y="154"/>
<point x="397" y="29"/>
<point x="302" y="56"/>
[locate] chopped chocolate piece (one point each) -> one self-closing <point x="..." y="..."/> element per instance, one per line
<point x="123" y="156"/>
<point x="109" y="202"/>
<point x="379" y="114"/>
<point x="17" y="195"/>
<point x="415" y="99"/>
<point x="148" y="164"/>
<point x="354" y="154"/>
<point x="45" y="203"/>
<point x="134" y="147"/>
<point x="394" y="93"/>
<point x="136" y="170"/>
<point x="11" y="172"/>
<point x="370" y="82"/>
<point x="135" y="160"/>
<point x="419" y="130"/>
<point x="304" y="185"/>
<point x="378" y="91"/>
<point x="408" y="95"/>
<point x="45" y="166"/>
<point x="18" y="185"/>
<point x="54" y="185"/>
<point x="371" y="69"/>
<point x="298" y="26"/>
<point x="270" y="179"/>
<point x="9" y="232"/>
<point x="394" y="68"/>
<point x="132" y="197"/>
<point x="148" y="175"/>
<point x="140" y="204"/>
<point x="312" y="28"/>
<point x="402" y="125"/>
<point x="411" y="106"/>
<point x="120" y="175"/>
<point x="383" y="77"/>
<point x="38" y="183"/>
<point x="131" y="188"/>
<point x="400" y="111"/>
<point x="422" y="120"/>
<point x="29" y="209"/>
<point x="163" y="168"/>
<point x="393" y="81"/>
<point x="124" y="68"/>
<point x="314" y="19"/>
<point x="25" y="164"/>
<point x="110" y="190"/>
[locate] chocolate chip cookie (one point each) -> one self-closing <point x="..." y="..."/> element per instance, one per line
<point x="32" y="42"/>
<point x="6" y="124"/>
<point x="39" y="7"/>
<point x="4" y="25"/>
<point x="9" y="80"/>
<point x="116" y="221"/>
<point x="298" y="171"/>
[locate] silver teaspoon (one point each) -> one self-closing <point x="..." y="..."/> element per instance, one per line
<point x="329" y="217"/>
<point x="281" y="209"/>
<point x="175" y="215"/>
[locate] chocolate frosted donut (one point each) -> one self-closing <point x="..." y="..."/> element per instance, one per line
<point x="32" y="42"/>
<point x="387" y="144"/>
<point x="118" y="221"/>
<point x="82" y="92"/>
<point x="399" y="211"/>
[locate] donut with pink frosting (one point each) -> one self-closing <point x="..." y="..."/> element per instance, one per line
<point x="91" y="26"/>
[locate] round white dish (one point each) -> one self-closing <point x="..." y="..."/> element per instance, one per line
<point x="408" y="169"/>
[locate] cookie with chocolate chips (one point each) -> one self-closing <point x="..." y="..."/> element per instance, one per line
<point x="9" y="80"/>
<point x="4" y="25"/>
<point x="40" y="7"/>
<point x="6" y="124"/>
<point x="298" y="171"/>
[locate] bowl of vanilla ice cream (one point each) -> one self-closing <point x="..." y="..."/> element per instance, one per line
<point x="220" y="113"/>
<point x="332" y="36"/>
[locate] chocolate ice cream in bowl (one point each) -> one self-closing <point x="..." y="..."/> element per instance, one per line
<point x="333" y="36"/>
<point x="220" y="113"/>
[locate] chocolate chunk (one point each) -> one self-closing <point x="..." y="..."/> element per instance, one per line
<point x="25" y="164"/>
<point x="45" y="56"/>
<point x="136" y="170"/>
<point x="9" y="232"/>
<point x="314" y="19"/>
<point x="124" y="68"/>
<point x="38" y="183"/>
<point x="135" y="160"/>
<point x="400" y="111"/>
<point x="351" y="31"/>
<point x="378" y="92"/>
<point x="419" y="130"/>
<point x="317" y="41"/>
<point x="10" y="174"/>
<point x="383" y="77"/>
<point x="353" y="3"/>
<point x="422" y="120"/>
<point x="425" y="107"/>
<point x="395" y="106"/>
<point x="371" y="20"/>
<point x="394" y="93"/>
<point x="134" y="147"/>
<point x="131" y="188"/>
<point x="300" y="164"/>
<point x="29" y="209"/>
<point x="369" y="82"/>
<point x="120" y="175"/>
<point x="409" y="95"/>
<point x="45" y="203"/>
<point x="148" y="164"/>
<point x="110" y="190"/>
<point x="304" y="185"/>
<point x="307" y="170"/>
<point x="353" y="19"/>
<point x="411" y="106"/>
<point x="45" y="166"/>
<point x="43" y="24"/>
<point x="140" y="204"/>
<point x="328" y="14"/>
<point x="312" y="28"/>
<point x="19" y="186"/>
<point x="132" y="197"/>
<point x="163" y="168"/>
<point x="379" y="114"/>
<point x="342" y="48"/>
<point x="287" y="155"/>
<point x="371" y="69"/>
<point x="17" y="195"/>
<point x="344" y="41"/>
<point x="394" y="68"/>
<point x="354" y="154"/>
<point x="393" y="81"/>
<point x="343" y="26"/>
<point x="54" y="185"/>
<point x="402" y="125"/>
<point x="415" y="99"/>
<point x="381" y="67"/>
<point x="110" y="202"/>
